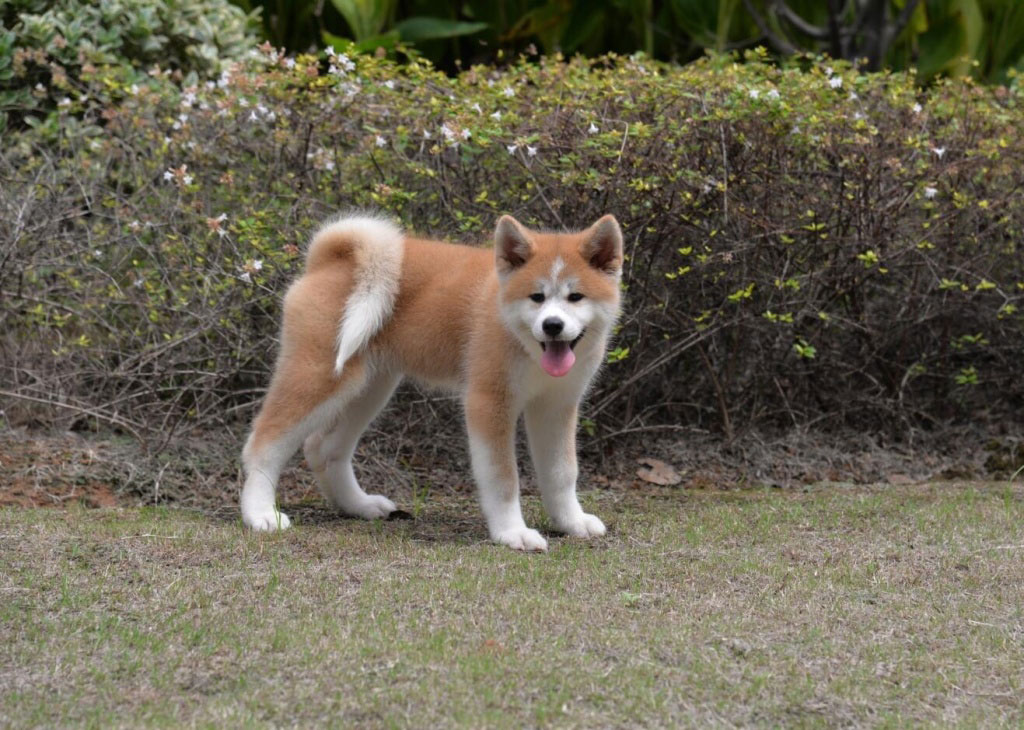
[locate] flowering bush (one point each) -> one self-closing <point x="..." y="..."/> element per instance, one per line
<point x="805" y="246"/>
<point x="44" y="46"/>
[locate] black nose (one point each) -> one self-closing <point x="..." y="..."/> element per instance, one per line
<point x="552" y="326"/>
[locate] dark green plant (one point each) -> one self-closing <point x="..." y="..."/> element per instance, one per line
<point x="46" y="46"/>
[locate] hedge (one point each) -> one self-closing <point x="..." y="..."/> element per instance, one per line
<point x="808" y="246"/>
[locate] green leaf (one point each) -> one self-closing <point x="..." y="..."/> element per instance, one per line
<point x="366" y="18"/>
<point x="422" y="28"/>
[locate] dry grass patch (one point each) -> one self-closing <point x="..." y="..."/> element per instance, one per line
<point x="833" y="606"/>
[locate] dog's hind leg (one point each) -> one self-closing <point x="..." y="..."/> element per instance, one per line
<point x="298" y="403"/>
<point x="330" y="453"/>
<point x="551" y="433"/>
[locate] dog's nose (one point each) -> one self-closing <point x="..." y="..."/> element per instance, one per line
<point x="552" y="326"/>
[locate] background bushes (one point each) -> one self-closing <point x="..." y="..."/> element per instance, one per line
<point x="808" y="246"/>
<point x="45" y="46"/>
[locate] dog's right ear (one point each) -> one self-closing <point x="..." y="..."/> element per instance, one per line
<point x="512" y="245"/>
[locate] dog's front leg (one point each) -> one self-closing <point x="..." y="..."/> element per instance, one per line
<point x="491" y="430"/>
<point x="551" y="431"/>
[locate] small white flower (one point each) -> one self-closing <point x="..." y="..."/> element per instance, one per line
<point x="97" y="252"/>
<point x="134" y="89"/>
<point x="289" y="63"/>
<point x="427" y="134"/>
<point x="476" y="108"/>
<point x="243" y="102"/>
<point x="774" y="94"/>
<point x="930" y="192"/>
<point x="835" y="82"/>
<point x="380" y="141"/>
<point x="795" y="130"/>
<point x="346" y="62"/>
<point x="333" y="70"/>
<point x="389" y="84"/>
<point x="329" y="165"/>
<point x="188" y="99"/>
<point x="853" y="96"/>
<point x="531" y="151"/>
<point x="939" y="151"/>
<point x="496" y="116"/>
<point x="244" y="276"/>
<point x="828" y="71"/>
<point x="508" y="91"/>
<point x="754" y="93"/>
<point x="183" y="118"/>
<point x="858" y="115"/>
<point x="271" y="116"/>
<point x="209" y="85"/>
<point x="135" y="225"/>
<point x="168" y="175"/>
<point x="65" y="101"/>
<point x="262" y="109"/>
<point x="916" y="108"/>
<point x="221" y="218"/>
<point x="257" y="265"/>
<point x="139" y="282"/>
<point x="512" y="148"/>
<point x="253" y="117"/>
<point x="187" y="180"/>
<point x="592" y="129"/>
<point x="331" y="53"/>
<point x="447" y="132"/>
<point x="466" y="134"/>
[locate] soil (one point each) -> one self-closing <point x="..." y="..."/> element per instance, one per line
<point x="201" y="471"/>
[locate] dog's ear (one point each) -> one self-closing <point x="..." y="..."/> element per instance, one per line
<point x="512" y="245"/>
<point x="602" y="245"/>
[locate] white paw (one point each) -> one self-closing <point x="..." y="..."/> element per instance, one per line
<point x="522" y="538"/>
<point x="370" y="507"/>
<point x="586" y="526"/>
<point x="267" y="521"/>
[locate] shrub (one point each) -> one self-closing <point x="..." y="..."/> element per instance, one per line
<point x="44" y="46"/>
<point x="806" y="246"/>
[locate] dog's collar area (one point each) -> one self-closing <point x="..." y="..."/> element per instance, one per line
<point x="572" y="345"/>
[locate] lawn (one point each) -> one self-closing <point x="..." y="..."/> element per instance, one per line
<point x="828" y="606"/>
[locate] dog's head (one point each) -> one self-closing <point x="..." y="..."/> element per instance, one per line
<point x="557" y="289"/>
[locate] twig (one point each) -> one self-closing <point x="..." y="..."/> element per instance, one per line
<point x="134" y="428"/>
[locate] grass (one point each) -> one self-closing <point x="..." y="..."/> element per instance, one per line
<point x="834" y="606"/>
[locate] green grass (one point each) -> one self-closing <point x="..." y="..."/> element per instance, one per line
<point x="881" y="607"/>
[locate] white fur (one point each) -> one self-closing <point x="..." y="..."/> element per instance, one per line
<point x="262" y="468"/>
<point x="330" y="454"/>
<point x="499" y="500"/>
<point x="379" y="245"/>
<point x="552" y="448"/>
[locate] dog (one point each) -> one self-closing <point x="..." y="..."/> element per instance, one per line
<point x="521" y="329"/>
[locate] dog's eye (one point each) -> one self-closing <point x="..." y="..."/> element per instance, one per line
<point x="538" y="297"/>
<point x="575" y="296"/>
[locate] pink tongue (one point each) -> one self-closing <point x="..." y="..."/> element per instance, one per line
<point x="557" y="359"/>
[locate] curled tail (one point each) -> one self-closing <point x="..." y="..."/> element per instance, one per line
<point x="375" y="248"/>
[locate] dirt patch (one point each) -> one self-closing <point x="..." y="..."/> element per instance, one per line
<point x="201" y="470"/>
<point x="53" y="470"/>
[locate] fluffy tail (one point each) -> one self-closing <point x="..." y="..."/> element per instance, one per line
<point x="375" y="246"/>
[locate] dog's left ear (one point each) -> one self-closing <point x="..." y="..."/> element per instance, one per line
<point x="602" y="245"/>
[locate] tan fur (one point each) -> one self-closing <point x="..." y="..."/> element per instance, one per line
<point x="445" y="329"/>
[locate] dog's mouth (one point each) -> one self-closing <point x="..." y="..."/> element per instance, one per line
<point x="572" y="344"/>
<point x="557" y="356"/>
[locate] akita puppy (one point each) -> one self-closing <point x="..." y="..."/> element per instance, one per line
<point x="520" y="329"/>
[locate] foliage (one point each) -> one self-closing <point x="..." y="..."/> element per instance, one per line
<point x="805" y="247"/>
<point x="45" y="46"/>
<point x="980" y="38"/>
